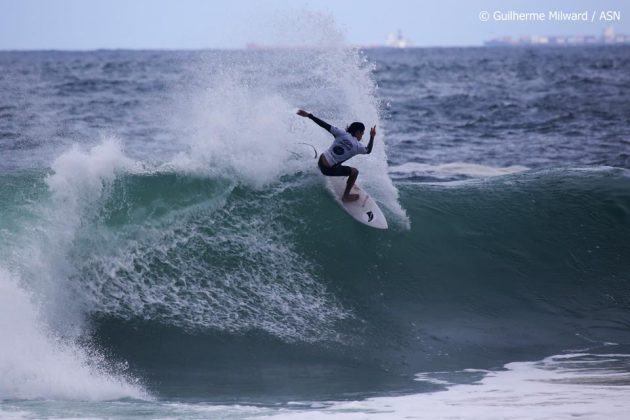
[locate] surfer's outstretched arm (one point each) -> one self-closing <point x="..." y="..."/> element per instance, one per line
<point x="321" y="123"/>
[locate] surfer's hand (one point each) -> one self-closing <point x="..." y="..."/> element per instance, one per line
<point x="303" y="113"/>
<point x="372" y="132"/>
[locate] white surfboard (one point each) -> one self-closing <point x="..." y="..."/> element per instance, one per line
<point x="364" y="210"/>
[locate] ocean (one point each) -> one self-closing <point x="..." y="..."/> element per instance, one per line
<point x="169" y="249"/>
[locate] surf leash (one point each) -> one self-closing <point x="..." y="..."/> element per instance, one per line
<point x="314" y="149"/>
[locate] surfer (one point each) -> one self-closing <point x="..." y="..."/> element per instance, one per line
<point x="346" y="144"/>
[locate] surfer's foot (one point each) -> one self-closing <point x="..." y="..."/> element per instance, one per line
<point x="350" y="197"/>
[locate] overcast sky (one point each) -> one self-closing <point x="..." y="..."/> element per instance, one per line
<point x="175" y="24"/>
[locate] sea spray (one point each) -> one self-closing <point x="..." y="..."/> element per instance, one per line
<point x="239" y="114"/>
<point x="76" y="185"/>
<point x="240" y="133"/>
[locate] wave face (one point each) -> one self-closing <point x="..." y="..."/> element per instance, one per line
<point x="214" y="279"/>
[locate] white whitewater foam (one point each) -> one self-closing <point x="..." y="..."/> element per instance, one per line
<point x="455" y="168"/>
<point x="80" y="175"/>
<point x="34" y="363"/>
<point x="558" y="387"/>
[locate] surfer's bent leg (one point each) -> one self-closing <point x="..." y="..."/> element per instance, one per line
<point x="354" y="173"/>
<point x="341" y="170"/>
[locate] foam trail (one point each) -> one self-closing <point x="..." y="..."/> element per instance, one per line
<point x="179" y="268"/>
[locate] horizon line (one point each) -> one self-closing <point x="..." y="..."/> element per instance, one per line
<point x="276" y="48"/>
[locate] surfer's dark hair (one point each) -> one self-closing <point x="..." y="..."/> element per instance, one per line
<point x="355" y="127"/>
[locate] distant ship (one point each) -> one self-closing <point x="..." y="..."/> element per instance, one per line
<point x="397" y="41"/>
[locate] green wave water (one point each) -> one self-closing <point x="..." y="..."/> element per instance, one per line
<point x="214" y="278"/>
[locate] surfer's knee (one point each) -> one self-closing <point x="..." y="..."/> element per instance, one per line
<point x="354" y="172"/>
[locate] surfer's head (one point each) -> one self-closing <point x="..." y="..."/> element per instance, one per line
<point x="356" y="129"/>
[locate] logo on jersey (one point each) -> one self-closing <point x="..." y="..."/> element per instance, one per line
<point x="338" y="150"/>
